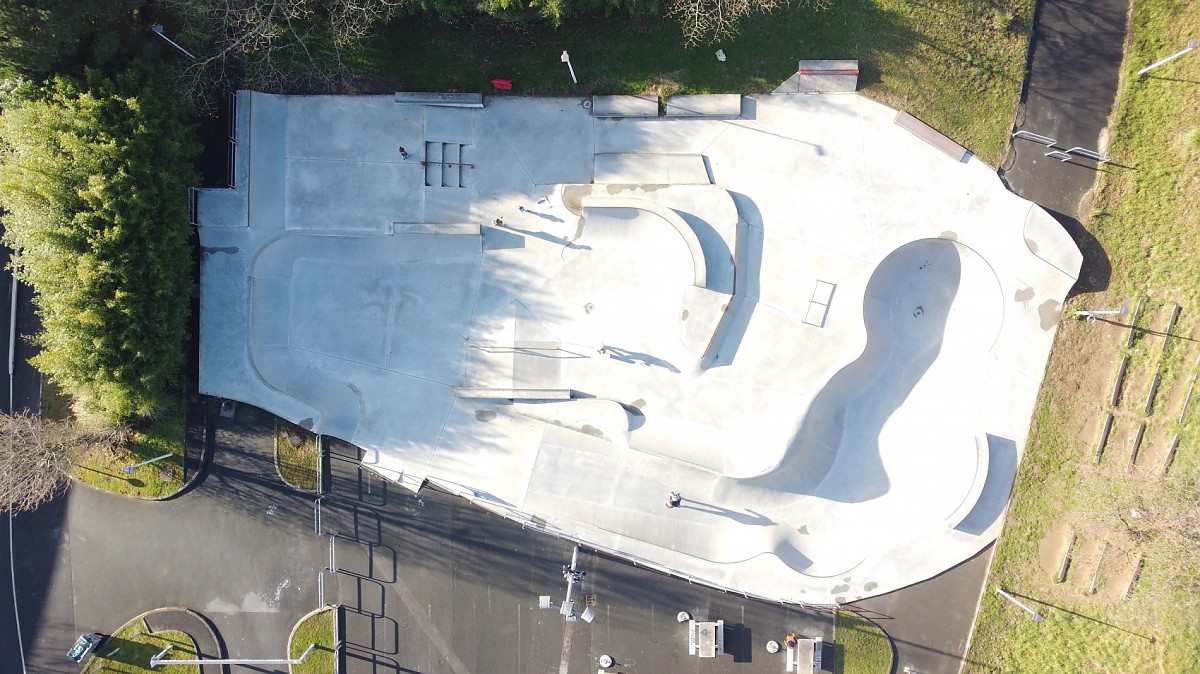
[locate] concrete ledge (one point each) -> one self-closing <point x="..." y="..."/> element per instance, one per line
<point x="650" y="169"/>
<point x="221" y="207"/>
<point x="720" y="106"/>
<point x="624" y="106"/>
<point x="514" y="393"/>
<point x="454" y="229"/>
<point x="822" y="77"/>
<point x="445" y="100"/>
<point x="931" y="135"/>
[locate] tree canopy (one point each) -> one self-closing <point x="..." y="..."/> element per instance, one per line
<point x="94" y="176"/>
<point x="42" y="37"/>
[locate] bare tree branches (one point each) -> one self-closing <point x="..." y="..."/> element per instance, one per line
<point x="35" y="459"/>
<point x="272" y="45"/>
<point x="712" y="20"/>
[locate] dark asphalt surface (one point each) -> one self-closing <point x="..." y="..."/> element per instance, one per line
<point x="239" y="548"/>
<point x="434" y="584"/>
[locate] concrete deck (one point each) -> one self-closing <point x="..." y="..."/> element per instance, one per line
<point x="825" y="333"/>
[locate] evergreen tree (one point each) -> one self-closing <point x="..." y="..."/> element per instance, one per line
<point x="94" y="176"/>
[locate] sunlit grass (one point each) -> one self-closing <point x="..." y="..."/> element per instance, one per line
<point x="956" y="65"/>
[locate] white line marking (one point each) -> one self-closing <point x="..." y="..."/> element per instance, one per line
<point x="12" y="569"/>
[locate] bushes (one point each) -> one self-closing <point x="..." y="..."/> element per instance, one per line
<point x="94" y="176"/>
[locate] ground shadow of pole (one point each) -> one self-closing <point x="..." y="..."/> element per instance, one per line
<point x="1047" y="604"/>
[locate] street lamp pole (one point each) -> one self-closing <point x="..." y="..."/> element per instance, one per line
<point x="566" y="58"/>
<point x="128" y="470"/>
<point x="1091" y="314"/>
<point x="158" y="30"/>
<point x="1192" y="44"/>
<point x="1037" y="617"/>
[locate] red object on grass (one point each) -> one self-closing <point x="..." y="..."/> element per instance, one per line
<point x="503" y="85"/>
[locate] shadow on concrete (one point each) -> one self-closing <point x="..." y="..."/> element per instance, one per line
<point x="748" y="266"/>
<point x="997" y="486"/>
<point x="1096" y="272"/>
<point x="835" y="452"/>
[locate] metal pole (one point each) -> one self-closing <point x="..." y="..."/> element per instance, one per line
<point x="566" y="58"/>
<point x="128" y="470"/>
<point x="1192" y="44"/>
<point x="158" y="30"/>
<point x="1091" y="314"/>
<point x="1037" y="617"/>
<point x="12" y="339"/>
<point x="158" y="660"/>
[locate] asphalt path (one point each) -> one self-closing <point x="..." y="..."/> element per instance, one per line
<point x="239" y="548"/>
<point x="430" y="583"/>
<point x="26" y="383"/>
<point x="1074" y="67"/>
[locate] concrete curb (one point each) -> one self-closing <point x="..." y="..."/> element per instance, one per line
<point x="205" y="622"/>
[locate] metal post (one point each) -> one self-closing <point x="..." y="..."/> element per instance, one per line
<point x="12" y="338"/>
<point x="566" y="58"/>
<point x="1091" y="314"/>
<point x="1037" y="617"/>
<point x="128" y="470"/>
<point x="1192" y="44"/>
<point x="158" y="30"/>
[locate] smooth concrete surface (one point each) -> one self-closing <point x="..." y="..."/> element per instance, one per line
<point x="839" y="384"/>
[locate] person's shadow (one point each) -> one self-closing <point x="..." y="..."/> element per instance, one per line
<point x="636" y="357"/>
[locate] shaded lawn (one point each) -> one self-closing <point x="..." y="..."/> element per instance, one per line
<point x="958" y="65"/>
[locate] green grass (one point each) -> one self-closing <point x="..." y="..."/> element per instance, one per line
<point x="863" y="648"/>
<point x="137" y="646"/>
<point x="164" y="435"/>
<point x="1145" y="222"/>
<point x="956" y="64"/>
<point x="297" y="461"/>
<point x="315" y="629"/>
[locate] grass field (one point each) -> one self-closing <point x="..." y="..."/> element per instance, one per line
<point x="164" y="435"/>
<point x="296" y="455"/>
<point x="134" y="646"/>
<point x="862" y="648"/>
<point x="1145" y="221"/>
<point x="956" y="64"/>
<point x="315" y="629"/>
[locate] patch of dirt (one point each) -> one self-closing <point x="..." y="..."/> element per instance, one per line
<point x="1119" y="566"/>
<point x="1089" y="435"/>
<point x="1137" y="383"/>
<point x="1170" y="402"/>
<point x="1084" y="561"/>
<point x="1052" y="547"/>
<point x="1154" y="450"/>
<point x="1120" y="441"/>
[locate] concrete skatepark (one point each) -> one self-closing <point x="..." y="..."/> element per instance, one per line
<point x="825" y="331"/>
